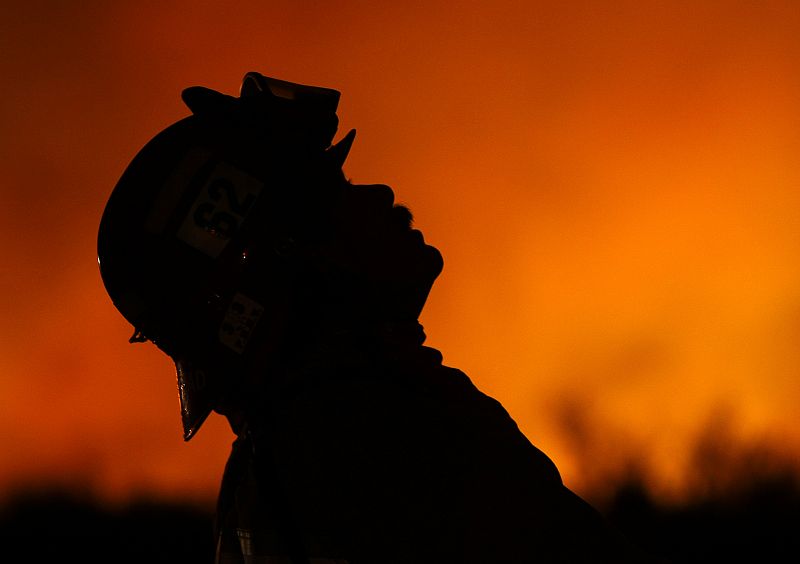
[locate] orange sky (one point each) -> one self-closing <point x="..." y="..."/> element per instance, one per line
<point x="615" y="192"/>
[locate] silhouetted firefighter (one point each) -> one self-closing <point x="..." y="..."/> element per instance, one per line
<point x="288" y="299"/>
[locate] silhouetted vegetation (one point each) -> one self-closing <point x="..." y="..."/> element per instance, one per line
<point x="757" y="522"/>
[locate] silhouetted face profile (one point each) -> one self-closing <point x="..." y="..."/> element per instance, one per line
<point x="373" y="239"/>
<point x="374" y="270"/>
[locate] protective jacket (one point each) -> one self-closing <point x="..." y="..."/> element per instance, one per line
<point x="380" y="454"/>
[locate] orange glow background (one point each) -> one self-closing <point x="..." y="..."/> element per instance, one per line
<point x="614" y="186"/>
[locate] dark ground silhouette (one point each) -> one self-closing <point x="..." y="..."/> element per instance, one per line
<point x="756" y="523"/>
<point x="59" y="526"/>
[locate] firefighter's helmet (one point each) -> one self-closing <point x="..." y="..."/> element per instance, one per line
<point x="243" y="177"/>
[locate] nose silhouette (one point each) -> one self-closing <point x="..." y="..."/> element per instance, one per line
<point x="375" y="196"/>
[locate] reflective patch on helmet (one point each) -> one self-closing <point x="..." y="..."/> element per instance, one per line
<point x="174" y="189"/>
<point x="239" y="322"/>
<point x="219" y="209"/>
